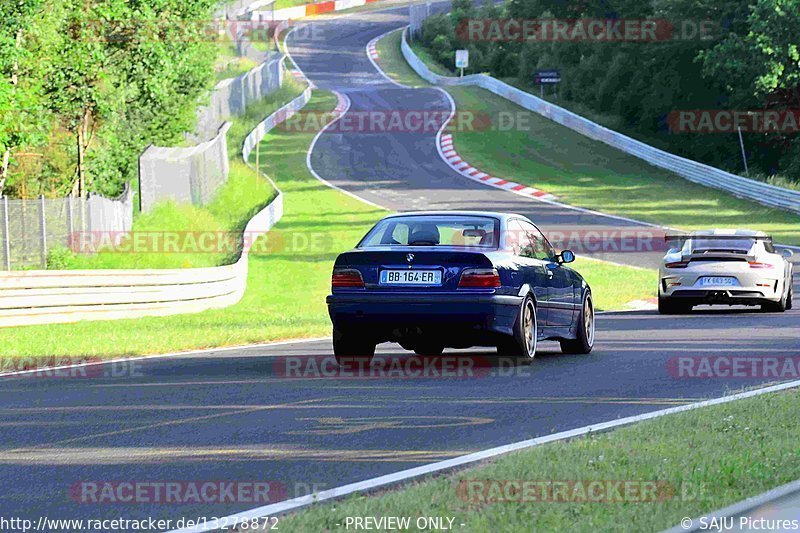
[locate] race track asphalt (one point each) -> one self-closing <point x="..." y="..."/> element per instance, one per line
<point x="281" y="414"/>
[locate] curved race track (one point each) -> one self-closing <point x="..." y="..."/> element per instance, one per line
<point x="242" y="414"/>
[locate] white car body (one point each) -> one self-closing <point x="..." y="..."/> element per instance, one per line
<point x="728" y="267"/>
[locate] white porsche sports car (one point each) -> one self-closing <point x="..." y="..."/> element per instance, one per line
<point x="728" y="267"/>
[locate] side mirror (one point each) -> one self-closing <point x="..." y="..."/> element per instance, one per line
<point x="567" y="256"/>
<point x="787" y="253"/>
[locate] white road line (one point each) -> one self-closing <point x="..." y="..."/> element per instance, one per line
<point x="320" y="132"/>
<point x="449" y="464"/>
<point x="311" y="150"/>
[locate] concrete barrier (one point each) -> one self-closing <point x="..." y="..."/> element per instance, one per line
<point x="694" y="171"/>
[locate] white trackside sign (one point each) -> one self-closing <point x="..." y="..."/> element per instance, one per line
<point x="462" y="58"/>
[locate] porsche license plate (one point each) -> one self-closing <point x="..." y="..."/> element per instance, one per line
<point x="723" y="281"/>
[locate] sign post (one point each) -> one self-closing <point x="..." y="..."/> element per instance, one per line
<point x="546" y="77"/>
<point x="462" y="60"/>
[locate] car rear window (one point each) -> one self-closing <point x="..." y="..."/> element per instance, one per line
<point x="434" y="230"/>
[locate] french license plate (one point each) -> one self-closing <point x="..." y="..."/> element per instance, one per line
<point x="411" y="277"/>
<point x="718" y="281"/>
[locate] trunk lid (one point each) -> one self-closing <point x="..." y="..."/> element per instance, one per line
<point x="450" y="262"/>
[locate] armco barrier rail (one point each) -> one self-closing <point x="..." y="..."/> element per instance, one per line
<point x="284" y="113"/>
<point x="44" y="297"/>
<point x="709" y="176"/>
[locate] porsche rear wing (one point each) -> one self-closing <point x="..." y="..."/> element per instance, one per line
<point x="716" y="255"/>
<point x="677" y="237"/>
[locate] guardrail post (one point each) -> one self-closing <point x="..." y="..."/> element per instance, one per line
<point x="43" y="231"/>
<point x="6" y="235"/>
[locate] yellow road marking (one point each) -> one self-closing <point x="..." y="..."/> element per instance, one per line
<point x="344" y="426"/>
<point x="125" y="455"/>
<point x="169" y="423"/>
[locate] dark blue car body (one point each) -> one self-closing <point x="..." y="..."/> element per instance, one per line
<point x="446" y="315"/>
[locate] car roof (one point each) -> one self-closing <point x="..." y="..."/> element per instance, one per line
<point x="727" y="233"/>
<point x="493" y="214"/>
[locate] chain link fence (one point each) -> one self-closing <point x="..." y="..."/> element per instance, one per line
<point x="190" y="175"/>
<point x="232" y="96"/>
<point x="31" y="229"/>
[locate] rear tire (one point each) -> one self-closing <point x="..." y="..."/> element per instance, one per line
<point x="779" y="306"/>
<point x="351" y="350"/>
<point x="584" y="340"/>
<point x="671" y="307"/>
<point x="526" y="333"/>
<point x="789" y="303"/>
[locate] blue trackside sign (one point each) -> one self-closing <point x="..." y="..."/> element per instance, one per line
<point x="543" y="77"/>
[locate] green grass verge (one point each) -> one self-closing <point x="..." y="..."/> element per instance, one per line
<point x="280" y="4"/>
<point x="590" y="174"/>
<point x="317" y="224"/>
<point x="229" y="64"/>
<point x="391" y="60"/>
<point x="711" y="457"/>
<point x="604" y="279"/>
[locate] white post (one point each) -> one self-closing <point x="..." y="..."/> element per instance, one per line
<point x="744" y="155"/>
<point x="70" y="226"/>
<point x="43" y="231"/>
<point x="6" y="234"/>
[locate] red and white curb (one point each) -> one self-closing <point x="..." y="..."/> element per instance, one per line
<point x="465" y="169"/>
<point x="372" y="50"/>
<point x="341" y="105"/>
<point x="298" y="75"/>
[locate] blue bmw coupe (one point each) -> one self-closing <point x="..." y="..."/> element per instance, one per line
<point x="435" y="279"/>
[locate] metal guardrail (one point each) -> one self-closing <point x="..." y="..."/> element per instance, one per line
<point x="46" y="297"/>
<point x="703" y="174"/>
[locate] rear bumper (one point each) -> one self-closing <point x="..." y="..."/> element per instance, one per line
<point x="738" y="296"/>
<point x="384" y="315"/>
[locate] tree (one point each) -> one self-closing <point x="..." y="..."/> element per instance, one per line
<point x="78" y="84"/>
<point x="21" y="120"/>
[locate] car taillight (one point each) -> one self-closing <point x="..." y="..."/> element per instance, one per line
<point x="678" y="264"/>
<point x="346" y="277"/>
<point x="479" y="278"/>
<point x="756" y="264"/>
